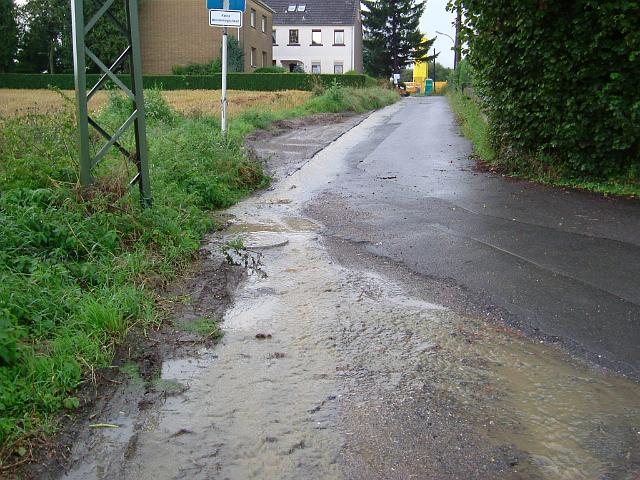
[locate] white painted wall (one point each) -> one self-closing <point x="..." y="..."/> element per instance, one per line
<point x="327" y="54"/>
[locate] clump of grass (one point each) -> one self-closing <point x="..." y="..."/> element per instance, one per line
<point x="133" y="372"/>
<point x="204" y="327"/>
<point x="474" y="124"/>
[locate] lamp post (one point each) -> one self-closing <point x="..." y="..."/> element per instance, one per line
<point x="455" y="50"/>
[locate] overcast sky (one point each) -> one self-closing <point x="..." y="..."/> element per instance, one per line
<point x="437" y="18"/>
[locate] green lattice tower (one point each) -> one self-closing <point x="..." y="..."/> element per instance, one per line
<point x="81" y="51"/>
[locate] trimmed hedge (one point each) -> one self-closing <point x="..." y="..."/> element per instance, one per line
<point x="236" y="81"/>
<point x="560" y="83"/>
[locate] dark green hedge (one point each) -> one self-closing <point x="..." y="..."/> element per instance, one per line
<point x="236" y="81"/>
<point x="560" y="82"/>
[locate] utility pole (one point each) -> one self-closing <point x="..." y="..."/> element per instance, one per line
<point x="435" y="90"/>
<point x="223" y="100"/>
<point x="457" y="47"/>
<point x="84" y="93"/>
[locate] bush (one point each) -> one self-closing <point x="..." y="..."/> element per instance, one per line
<point x="236" y="81"/>
<point x="273" y="69"/>
<point x="196" y="69"/>
<point x="561" y="83"/>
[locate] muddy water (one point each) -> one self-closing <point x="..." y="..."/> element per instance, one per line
<point x="326" y="372"/>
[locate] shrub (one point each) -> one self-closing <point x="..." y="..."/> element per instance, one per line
<point x="273" y="69"/>
<point x="195" y="69"/>
<point x="236" y="81"/>
<point x="560" y="82"/>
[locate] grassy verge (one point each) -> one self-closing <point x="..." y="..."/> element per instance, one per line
<point x="474" y="126"/>
<point x="78" y="268"/>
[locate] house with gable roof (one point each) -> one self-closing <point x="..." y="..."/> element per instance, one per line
<point x="317" y="36"/>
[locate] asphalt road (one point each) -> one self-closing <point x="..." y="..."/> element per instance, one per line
<point x="559" y="264"/>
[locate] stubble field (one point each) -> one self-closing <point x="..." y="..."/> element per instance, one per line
<point x="191" y="103"/>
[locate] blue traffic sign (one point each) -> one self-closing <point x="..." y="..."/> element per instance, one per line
<point x="233" y="5"/>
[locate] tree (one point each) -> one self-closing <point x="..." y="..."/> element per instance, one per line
<point x="442" y="73"/>
<point x="235" y="55"/>
<point x="46" y="38"/>
<point x="9" y="34"/>
<point x="44" y="25"/>
<point x="392" y="39"/>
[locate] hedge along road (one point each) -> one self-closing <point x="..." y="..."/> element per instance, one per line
<point x="340" y="361"/>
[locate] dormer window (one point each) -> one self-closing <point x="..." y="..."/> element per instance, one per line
<point x="299" y="7"/>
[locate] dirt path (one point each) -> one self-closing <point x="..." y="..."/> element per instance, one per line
<point x="341" y="367"/>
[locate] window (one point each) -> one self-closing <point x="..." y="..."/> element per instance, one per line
<point x="264" y="24"/>
<point x="338" y="68"/>
<point x="253" y="57"/>
<point x="253" y="18"/>
<point x="315" y="68"/>
<point x="273" y="36"/>
<point x="293" y="37"/>
<point x="292" y="7"/>
<point x="316" y="37"/>
<point x="338" y="37"/>
<point x="264" y="59"/>
<point x="302" y="7"/>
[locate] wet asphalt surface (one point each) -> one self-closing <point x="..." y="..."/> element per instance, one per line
<point x="560" y="264"/>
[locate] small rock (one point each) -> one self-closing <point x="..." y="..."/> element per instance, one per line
<point x="263" y="336"/>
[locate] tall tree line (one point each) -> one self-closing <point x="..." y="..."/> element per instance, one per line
<point x="37" y="36"/>
<point x="392" y="38"/>
<point x="8" y="35"/>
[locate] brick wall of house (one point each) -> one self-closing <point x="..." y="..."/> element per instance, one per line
<point x="177" y="32"/>
<point x="254" y="37"/>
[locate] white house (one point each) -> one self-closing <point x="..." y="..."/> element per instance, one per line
<point x="319" y="36"/>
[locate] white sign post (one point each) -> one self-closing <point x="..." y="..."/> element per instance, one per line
<point x="225" y="39"/>
<point x="225" y="18"/>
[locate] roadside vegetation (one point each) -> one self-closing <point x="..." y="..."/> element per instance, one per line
<point x="78" y="267"/>
<point x="557" y="112"/>
<point x="475" y="127"/>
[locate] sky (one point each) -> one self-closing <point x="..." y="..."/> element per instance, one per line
<point x="436" y="18"/>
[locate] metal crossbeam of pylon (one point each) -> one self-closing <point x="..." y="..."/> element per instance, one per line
<point x="130" y="31"/>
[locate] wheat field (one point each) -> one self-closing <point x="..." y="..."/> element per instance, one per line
<point x="187" y="102"/>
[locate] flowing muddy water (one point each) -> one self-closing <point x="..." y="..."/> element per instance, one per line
<point x="330" y="372"/>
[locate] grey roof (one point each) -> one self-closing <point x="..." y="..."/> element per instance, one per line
<point x="316" y="12"/>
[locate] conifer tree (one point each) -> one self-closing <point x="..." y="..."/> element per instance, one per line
<point x="392" y="39"/>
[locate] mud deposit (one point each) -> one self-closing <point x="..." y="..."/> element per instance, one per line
<point x="334" y="372"/>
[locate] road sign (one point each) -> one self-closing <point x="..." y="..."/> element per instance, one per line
<point x="225" y="18"/>
<point x="233" y="5"/>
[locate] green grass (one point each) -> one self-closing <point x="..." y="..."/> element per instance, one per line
<point x="473" y="123"/>
<point x="204" y="327"/>
<point x="475" y="128"/>
<point x="77" y="267"/>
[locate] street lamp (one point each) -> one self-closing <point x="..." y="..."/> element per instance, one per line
<point x="455" y="56"/>
<point x="446" y="35"/>
<point x="456" y="45"/>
